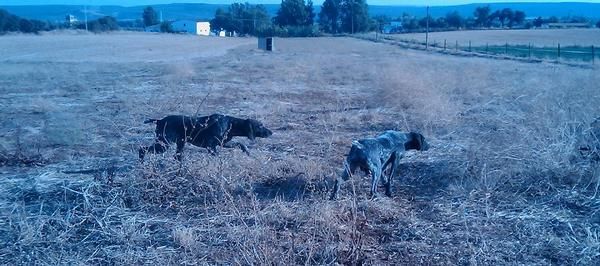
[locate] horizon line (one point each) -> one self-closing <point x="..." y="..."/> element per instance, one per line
<point x="403" y="5"/>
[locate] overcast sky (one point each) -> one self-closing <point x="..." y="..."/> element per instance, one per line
<point x="316" y="2"/>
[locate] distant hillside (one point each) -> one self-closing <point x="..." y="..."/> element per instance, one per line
<point x="590" y="10"/>
<point x="207" y="11"/>
<point x="169" y="12"/>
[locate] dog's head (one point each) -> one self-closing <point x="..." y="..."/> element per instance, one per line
<point x="256" y="129"/>
<point x="416" y="141"/>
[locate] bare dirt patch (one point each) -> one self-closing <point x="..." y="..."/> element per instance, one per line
<point x="114" y="47"/>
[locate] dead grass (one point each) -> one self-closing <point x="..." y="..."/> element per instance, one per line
<point x="500" y="185"/>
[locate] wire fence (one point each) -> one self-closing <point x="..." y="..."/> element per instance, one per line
<point x="558" y="52"/>
<point x="575" y="52"/>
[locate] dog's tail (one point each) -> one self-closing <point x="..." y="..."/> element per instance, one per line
<point x="151" y="120"/>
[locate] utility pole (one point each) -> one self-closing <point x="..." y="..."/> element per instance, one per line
<point x="352" y="15"/>
<point x="85" y="14"/>
<point x="427" y="30"/>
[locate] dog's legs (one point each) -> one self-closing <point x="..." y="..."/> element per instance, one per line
<point x="212" y="150"/>
<point x="395" y="161"/>
<point x="179" y="152"/>
<point x="156" y="148"/>
<point x="142" y="153"/>
<point x="349" y="168"/>
<point x="375" y="169"/>
<point x="387" y="178"/>
<point x="237" y="145"/>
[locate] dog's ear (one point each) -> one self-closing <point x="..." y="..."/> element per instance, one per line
<point x="414" y="141"/>
<point x="422" y="143"/>
<point x="250" y="129"/>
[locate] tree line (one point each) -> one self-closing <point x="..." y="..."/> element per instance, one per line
<point x="295" y="18"/>
<point x="298" y="18"/>
<point x="106" y="23"/>
<point x="13" y="23"/>
<point x="482" y="17"/>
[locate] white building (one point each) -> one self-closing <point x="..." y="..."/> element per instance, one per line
<point x="192" y="27"/>
<point x="220" y="33"/>
<point x="70" y="20"/>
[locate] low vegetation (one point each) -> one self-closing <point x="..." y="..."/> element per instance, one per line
<point x="12" y="23"/>
<point x="102" y="24"/>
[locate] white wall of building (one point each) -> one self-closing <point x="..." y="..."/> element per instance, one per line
<point x="203" y="28"/>
<point x="192" y="27"/>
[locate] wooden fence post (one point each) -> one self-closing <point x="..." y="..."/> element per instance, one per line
<point x="506" y="49"/>
<point x="593" y="55"/>
<point x="469" y="46"/>
<point x="487" y="47"/>
<point x="529" y="50"/>
<point x="444" y="44"/>
<point x="558" y="50"/>
<point x="457" y="46"/>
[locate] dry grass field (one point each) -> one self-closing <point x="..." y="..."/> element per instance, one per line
<point x="538" y="37"/>
<point x="503" y="181"/>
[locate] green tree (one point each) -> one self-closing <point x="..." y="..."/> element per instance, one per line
<point x="262" y="19"/>
<point x="8" y="21"/>
<point x="519" y="17"/>
<point x="166" y="27"/>
<point x="237" y="18"/>
<point x="423" y="22"/>
<point x="149" y="16"/>
<point x="329" y="17"/>
<point x="454" y="19"/>
<point x="506" y="16"/>
<point x="482" y="15"/>
<point x="221" y="21"/>
<point x="538" y="22"/>
<point x="441" y="22"/>
<point x="354" y="16"/>
<point x="379" y="21"/>
<point x="26" y="26"/>
<point x="294" y="13"/>
<point x="310" y="13"/>
<point x="106" y="23"/>
<point x="242" y="18"/>
<point x="495" y="15"/>
<point x="409" y="22"/>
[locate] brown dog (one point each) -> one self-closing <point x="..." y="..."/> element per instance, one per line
<point x="204" y="131"/>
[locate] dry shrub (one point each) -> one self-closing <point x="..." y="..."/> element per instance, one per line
<point x="186" y="238"/>
<point x="422" y="99"/>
